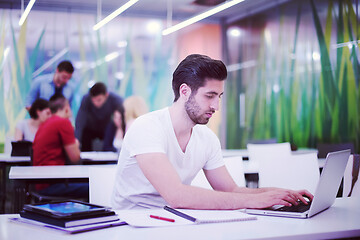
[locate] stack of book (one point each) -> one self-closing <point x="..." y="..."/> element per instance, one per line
<point x="71" y="215"/>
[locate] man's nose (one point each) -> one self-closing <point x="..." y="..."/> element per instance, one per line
<point x="215" y="104"/>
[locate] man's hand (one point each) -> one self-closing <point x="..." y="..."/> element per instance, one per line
<point x="278" y="196"/>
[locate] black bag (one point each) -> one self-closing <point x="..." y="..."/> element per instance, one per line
<point x="21" y="148"/>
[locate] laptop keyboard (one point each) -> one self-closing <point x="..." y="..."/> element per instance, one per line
<point x="301" y="207"/>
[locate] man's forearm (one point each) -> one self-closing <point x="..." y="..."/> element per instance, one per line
<point x="252" y="190"/>
<point x="199" y="198"/>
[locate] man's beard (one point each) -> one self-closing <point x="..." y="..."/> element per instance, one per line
<point x="193" y="110"/>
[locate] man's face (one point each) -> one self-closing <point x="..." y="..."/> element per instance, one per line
<point x="99" y="100"/>
<point x="202" y="105"/>
<point x="68" y="112"/>
<point x="61" y="78"/>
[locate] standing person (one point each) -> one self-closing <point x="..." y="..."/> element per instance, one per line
<point x="47" y="85"/>
<point x="164" y="150"/>
<point x="55" y="144"/>
<point x="95" y="114"/>
<point x="27" y="128"/>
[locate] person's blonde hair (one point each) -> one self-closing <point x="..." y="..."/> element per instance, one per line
<point x="134" y="106"/>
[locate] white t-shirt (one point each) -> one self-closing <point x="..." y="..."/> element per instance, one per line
<point x="154" y="133"/>
<point x="24" y="127"/>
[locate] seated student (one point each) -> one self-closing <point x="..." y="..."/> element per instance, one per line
<point x="95" y="114"/>
<point x="115" y="132"/>
<point x="55" y="144"/>
<point x="164" y="150"/>
<point x="39" y="112"/>
<point x="134" y="107"/>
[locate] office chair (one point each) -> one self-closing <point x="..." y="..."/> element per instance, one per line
<point x="351" y="175"/>
<point x="325" y="148"/>
<point x="101" y="184"/>
<point x="234" y="165"/>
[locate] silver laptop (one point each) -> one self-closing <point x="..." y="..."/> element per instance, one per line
<point x="325" y="193"/>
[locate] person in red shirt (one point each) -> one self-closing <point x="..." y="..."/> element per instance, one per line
<point x="55" y="144"/>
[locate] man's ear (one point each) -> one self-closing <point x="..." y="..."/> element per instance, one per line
<point x="185" y="91"/>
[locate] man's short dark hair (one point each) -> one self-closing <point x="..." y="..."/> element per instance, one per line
<point x="97" y="89"/>
<point x="65" y="66"/>
<point x="39" y="104"/>
<point x="194" y="71"/>
<point x="57" y="102"/>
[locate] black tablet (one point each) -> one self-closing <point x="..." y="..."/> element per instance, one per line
<point x="66" y="209"/>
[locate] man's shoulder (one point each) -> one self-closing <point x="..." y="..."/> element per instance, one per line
<point x="154" y="119"/>
<point x="58" y="121"/>
<point x="71" y="84"/>
<point x="115" y="97"/>
<point x="44" y="78"/>
<point x="157" y="115"/>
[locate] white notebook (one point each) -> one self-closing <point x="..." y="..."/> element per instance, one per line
<point x="141" y="218"/>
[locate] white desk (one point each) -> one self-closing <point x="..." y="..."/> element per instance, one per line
<point x="7" y="158"/>
<point x="245" y="154"/>
<point x="100" y="157"/>
<point x="51" y="172"/>
<point x="339" y="221"/>
<point x="25" y="175"/>
<point x="92" y="156"/>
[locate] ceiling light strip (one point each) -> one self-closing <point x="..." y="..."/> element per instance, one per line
<point x="114" y="14"/>
<point x="26" y="12"/>
<point x="200" y="17"/>
<point x="50" y="62"/>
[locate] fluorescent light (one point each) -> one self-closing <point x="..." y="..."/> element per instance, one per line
<point x="111" y="56"/>
<point x="201" y="16"/>
<point x="114" y="14"/>
<point x="234" y="32"/>
<point x="153" y="26"/>
<point x="346" y="44"/>
<point x="6" y="53"/>
<point x="26" y="12"/>
<point x="122" y="44"/>
<point x="49" y="62"/>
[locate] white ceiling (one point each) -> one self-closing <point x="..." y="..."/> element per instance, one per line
<point x="181" y="9"/>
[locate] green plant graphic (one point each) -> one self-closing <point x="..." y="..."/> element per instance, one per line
<point x="292" y="97"/>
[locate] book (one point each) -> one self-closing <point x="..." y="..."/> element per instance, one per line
<point x="105" y="217"/>
<point x="69" y="230"/>
<point x="163" y="217"/>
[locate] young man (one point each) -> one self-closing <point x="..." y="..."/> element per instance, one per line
<point x="47" y="85"/>
<point x="95" y="114"/>
<point x="55" y="144"/>
<point x="164" y="150"/>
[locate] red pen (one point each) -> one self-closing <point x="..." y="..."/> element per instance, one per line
<point x="162" y="218"/>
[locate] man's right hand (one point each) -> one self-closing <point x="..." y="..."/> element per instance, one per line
<point x="278" y="196"/>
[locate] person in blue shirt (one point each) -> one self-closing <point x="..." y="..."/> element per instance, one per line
<point x="47" y="85"/>
<point x="94" y="115"/>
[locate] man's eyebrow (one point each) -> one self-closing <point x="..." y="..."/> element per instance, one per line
<point x="214" y="93"/>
